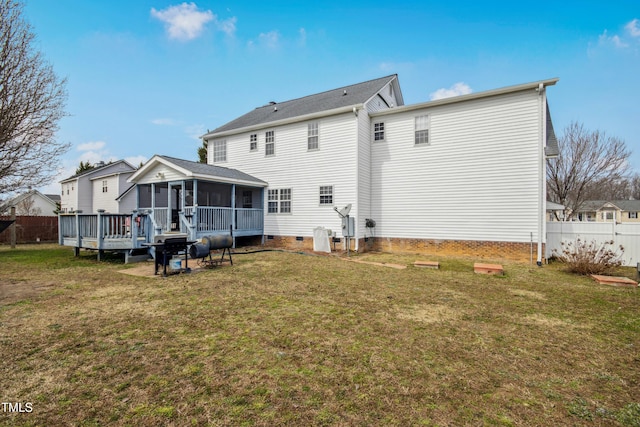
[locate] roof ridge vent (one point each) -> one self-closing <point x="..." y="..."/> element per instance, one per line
<point x="344" y="92"/>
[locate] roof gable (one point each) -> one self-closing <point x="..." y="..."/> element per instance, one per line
<point x="345" y="96"/>
<point x="113" y="167"/>
<point x="197" y="170"/>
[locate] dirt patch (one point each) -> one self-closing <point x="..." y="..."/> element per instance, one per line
<point x="12" y="291"/>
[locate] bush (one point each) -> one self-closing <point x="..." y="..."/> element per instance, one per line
<point x="585" y="258"/>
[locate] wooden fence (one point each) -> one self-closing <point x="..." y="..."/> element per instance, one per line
<point x="32" y="229"/>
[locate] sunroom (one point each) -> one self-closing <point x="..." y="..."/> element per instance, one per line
<point x="197" y="199"/>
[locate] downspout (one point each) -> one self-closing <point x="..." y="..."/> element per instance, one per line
<point x="541" y="170"/>
<point x="358" y="206"/>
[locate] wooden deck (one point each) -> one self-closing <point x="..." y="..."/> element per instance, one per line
<point x="128" y="232"/>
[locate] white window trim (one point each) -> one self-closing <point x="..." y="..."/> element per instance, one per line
<point x="272" y="143"/>
<point x="316" y="135"/>
<point x="218" y="145"/>
<point x="320" y="195"/>
<point x="383" y="131"/>
<point x="278" y="200"/>
<point x="427" y="128"/>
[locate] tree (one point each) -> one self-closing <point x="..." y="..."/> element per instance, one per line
<point x="202" y="152"/>
<point x="588" y="160"/>
<point x="32" y="101"/>
<point x="84" y="166"/>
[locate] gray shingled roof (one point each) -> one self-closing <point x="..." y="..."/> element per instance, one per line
<point x="324" y="101"/>
<point x="624" y="205"/>
<point x="552" y="149"/>
<point x="212" y="170"/>
<point x="96" y="169"/>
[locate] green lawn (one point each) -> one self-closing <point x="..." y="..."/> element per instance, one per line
<point x="291" y="339"/>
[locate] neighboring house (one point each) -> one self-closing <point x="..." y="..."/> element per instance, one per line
<point x="459" y="175"/>
<point x="608" y="211"/>
<point x="555" y="211"/>
<point x="31" y="203"/>
<point x="99" y="188"/>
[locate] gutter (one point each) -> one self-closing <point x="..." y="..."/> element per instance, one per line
<point x="311" y="116"/>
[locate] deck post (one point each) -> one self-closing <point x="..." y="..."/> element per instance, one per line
<point x="134" y="229"/>
<point x="78" y="236"/>
<point x="100" y="235"/>
<point x="233" y="213"/>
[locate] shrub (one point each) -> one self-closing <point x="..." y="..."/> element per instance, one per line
<point x="584" y="257"/>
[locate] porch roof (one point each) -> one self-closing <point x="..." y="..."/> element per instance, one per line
<point x="198" y="171"/>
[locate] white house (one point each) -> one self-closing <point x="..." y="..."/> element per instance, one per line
<point x="459" y="175"/>
<point x="31" y="203"/>
<point x="99" y="188"/>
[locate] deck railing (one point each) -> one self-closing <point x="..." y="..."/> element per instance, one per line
<point x="101" y="226"/>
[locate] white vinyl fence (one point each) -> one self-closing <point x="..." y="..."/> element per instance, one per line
<point x="625" y="235"/>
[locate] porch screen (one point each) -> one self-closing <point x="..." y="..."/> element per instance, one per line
<point x="212" y="194"/>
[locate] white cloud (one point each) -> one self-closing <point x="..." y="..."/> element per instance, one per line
<point x="615" y="40"/>
<point x="186" y="22"/>
<point x="270" y="40"/>
<point x="136" y="160"/>
<point x="457" y="89"/>
<point x="195" y="131"/>
<point x="633" y="27"/>
<point x="91" y="146"/>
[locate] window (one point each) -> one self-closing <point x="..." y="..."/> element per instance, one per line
<point x="609" y="215"/>
<point x="279" y="201"/>
<point x="326" y="195"/>
<point x="272" y="201"/>
<point x="247" y="199"/>
<point x="312" y="136"/>
<point x="253" y="142"/>
<point x="633" y="215"/>
<point x="220" y="151"/>
<point x="422" y="129"/>
<point x="105" y="186"/>
<point x="378" y="131"/>
<point x="269" y="143"/>
<point x="285" y="200"/>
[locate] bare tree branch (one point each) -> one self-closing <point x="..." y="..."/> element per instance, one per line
<point x="589" y="162"/>
<point x="32" y="101"/>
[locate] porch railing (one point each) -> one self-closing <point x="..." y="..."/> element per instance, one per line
<point x="213" y="218"/>
<point x="161" y="218"/>
<point x="220" y="219"/>
<point x="249" y="219"/>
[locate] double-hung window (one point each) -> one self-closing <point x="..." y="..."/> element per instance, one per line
<point x="633" y="215"/>
<point x="105" y="186"/>
<point x="422" y="130"/>
<point x="220" y="151"/>
<point x="269" y="143"/>
<point x="326" y="195"/>
<point x="312" y="136"/>
<point x="378" y="131"/>
<point x="253" y="142"/>
<point x="279" y="200"/>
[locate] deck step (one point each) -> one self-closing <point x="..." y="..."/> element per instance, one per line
<point x="482" y="268"/>
<point x="427" y="264"/>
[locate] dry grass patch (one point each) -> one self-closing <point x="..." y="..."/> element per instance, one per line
<point x="288" y="339"/>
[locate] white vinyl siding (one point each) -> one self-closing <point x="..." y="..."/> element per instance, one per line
<point x="478" y="180"/>
<point x="292" y="168"/>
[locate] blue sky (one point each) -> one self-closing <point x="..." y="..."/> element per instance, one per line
<point x="149" y="77"/>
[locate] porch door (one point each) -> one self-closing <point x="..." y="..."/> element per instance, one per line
<point x="175" y="200"/>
